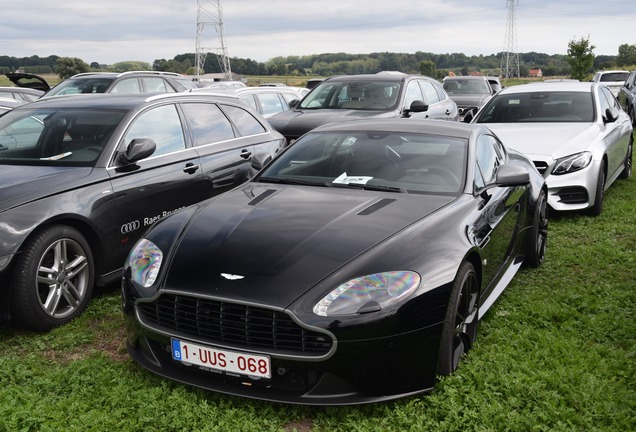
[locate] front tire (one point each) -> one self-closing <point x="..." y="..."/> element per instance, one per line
<point x="460" y="325"/>
<point x="597" y="208"/>
<point x="539" y="236"/>
<point x="53" y="279"/>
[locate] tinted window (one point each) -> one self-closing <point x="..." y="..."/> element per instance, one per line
<point x="537" y="107"/>
<point x="250" y="100"/>
<point x="245" y="122"/>
<point x="162" y="125"/>
<point x="208" y="123"/>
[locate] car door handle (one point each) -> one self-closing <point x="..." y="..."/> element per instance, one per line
<point x="246" y="154"/>
<point x="190" y="168"/>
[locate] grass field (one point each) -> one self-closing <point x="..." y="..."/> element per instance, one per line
<point x="557" y="352"/>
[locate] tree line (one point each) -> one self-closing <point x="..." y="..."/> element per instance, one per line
<point x="328" y="64"/>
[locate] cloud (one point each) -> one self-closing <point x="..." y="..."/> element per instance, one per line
<point x="111" y="31"/>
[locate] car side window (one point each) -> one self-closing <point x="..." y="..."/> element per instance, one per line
<point x="430" y="95"/>
<point x="250" y="100"/>
<point x="413" y="93"/>
<point x="245" y="122"/>
<point x="162" y="125"/>
<point x="270" y="103"/>
<point x="126" y="86"/>
<point x="605" y="104"/>
<point x="208" y="123"/>
<point x="156" y="85"/>
<point x="488" y="158"/>
<point x="611" y="100"/>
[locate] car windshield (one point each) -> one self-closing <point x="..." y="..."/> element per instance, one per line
<point x="72" y="137"/>
<point x="384" y="161"/>
<point x="539" y="107"/>
<point x="614" y="77"/>
<point x="353" y="95"/>
<point x="81" y="85"/>
<point x="467" y="86"/>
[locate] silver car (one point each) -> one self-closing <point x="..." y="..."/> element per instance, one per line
<point x="576" y="134"/>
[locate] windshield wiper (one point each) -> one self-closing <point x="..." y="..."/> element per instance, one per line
<point x="370" y="187"/>
<point x="288" y="181"/>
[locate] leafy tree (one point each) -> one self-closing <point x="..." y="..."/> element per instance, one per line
<point x="66" y="67"/>
<point x="581" y="58"/>
<point x="428" y="68"/>
<point x="626" y="55"/>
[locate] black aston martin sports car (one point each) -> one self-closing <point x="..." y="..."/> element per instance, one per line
<point x="353" y="268"/>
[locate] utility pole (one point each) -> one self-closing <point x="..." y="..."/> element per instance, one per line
<point x="509" y="56"/>
<point x="209" y="13"/>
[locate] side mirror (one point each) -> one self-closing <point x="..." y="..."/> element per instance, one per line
<point x="512" y="175"/>
<point x="138" y="149"/>
<point x="416" y="106"/>
<point x="611" y="115"/>
<point x="293" y="103"/>
<point x="259" y="160"/>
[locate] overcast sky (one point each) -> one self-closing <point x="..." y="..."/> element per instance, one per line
<point x="110" y="31"/>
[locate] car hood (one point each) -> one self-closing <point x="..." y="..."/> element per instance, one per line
<point x="269" y="244"/>
<point x="470" y="100"/>
<point x="297" y="122"/>
<point x="19" y="184"/>
<point x="546" y="140"/>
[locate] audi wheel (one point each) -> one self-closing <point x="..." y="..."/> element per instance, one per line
<point x="53" y="279"/>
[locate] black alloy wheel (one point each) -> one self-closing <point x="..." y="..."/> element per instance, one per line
<point x="53" y="279"/>
<point x="539" y="235"/>
<point x="460" y="325"/>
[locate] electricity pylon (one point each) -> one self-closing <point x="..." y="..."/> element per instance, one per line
<point x="509" y="55"/>
<point x="209" y="13"/>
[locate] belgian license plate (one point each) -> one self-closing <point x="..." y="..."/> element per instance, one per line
<point x="220" y="359"/>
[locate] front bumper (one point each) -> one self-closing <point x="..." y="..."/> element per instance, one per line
<point x="360" y="372"/>
<point x="573" y="191"/>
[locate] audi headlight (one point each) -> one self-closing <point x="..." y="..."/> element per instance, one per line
<point x="572" y="163"/>
<point x="144" y="262"/>
<point x="368" y="293"/>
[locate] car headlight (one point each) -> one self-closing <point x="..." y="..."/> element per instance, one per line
<point x="144" y="262"/>
<point x="572" y="163"/>
<point x="368" y="293"/>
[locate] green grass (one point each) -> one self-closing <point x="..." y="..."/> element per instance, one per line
<point x="557" y="352"/>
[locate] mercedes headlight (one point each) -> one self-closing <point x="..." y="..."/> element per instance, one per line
<point x="572" y="163"/>
<point x="144" y="262"/>
<point x="368" y="293"/>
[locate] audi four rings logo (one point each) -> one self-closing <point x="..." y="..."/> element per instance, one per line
<point x="130" y="227"/>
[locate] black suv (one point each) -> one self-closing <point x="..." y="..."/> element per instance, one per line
<point x="123" y="83"/>
<point x="627" y="96"/>
<point x="81" y="179"/>
<point x="381" y="95"/>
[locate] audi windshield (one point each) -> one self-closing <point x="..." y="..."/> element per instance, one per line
<point x="74" y="137"/>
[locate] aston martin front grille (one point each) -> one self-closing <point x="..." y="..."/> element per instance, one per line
<point x="230" y="324"/>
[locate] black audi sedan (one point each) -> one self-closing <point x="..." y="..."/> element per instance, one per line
<point x="81" y="178"/>
<point x="353" y="268"/>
